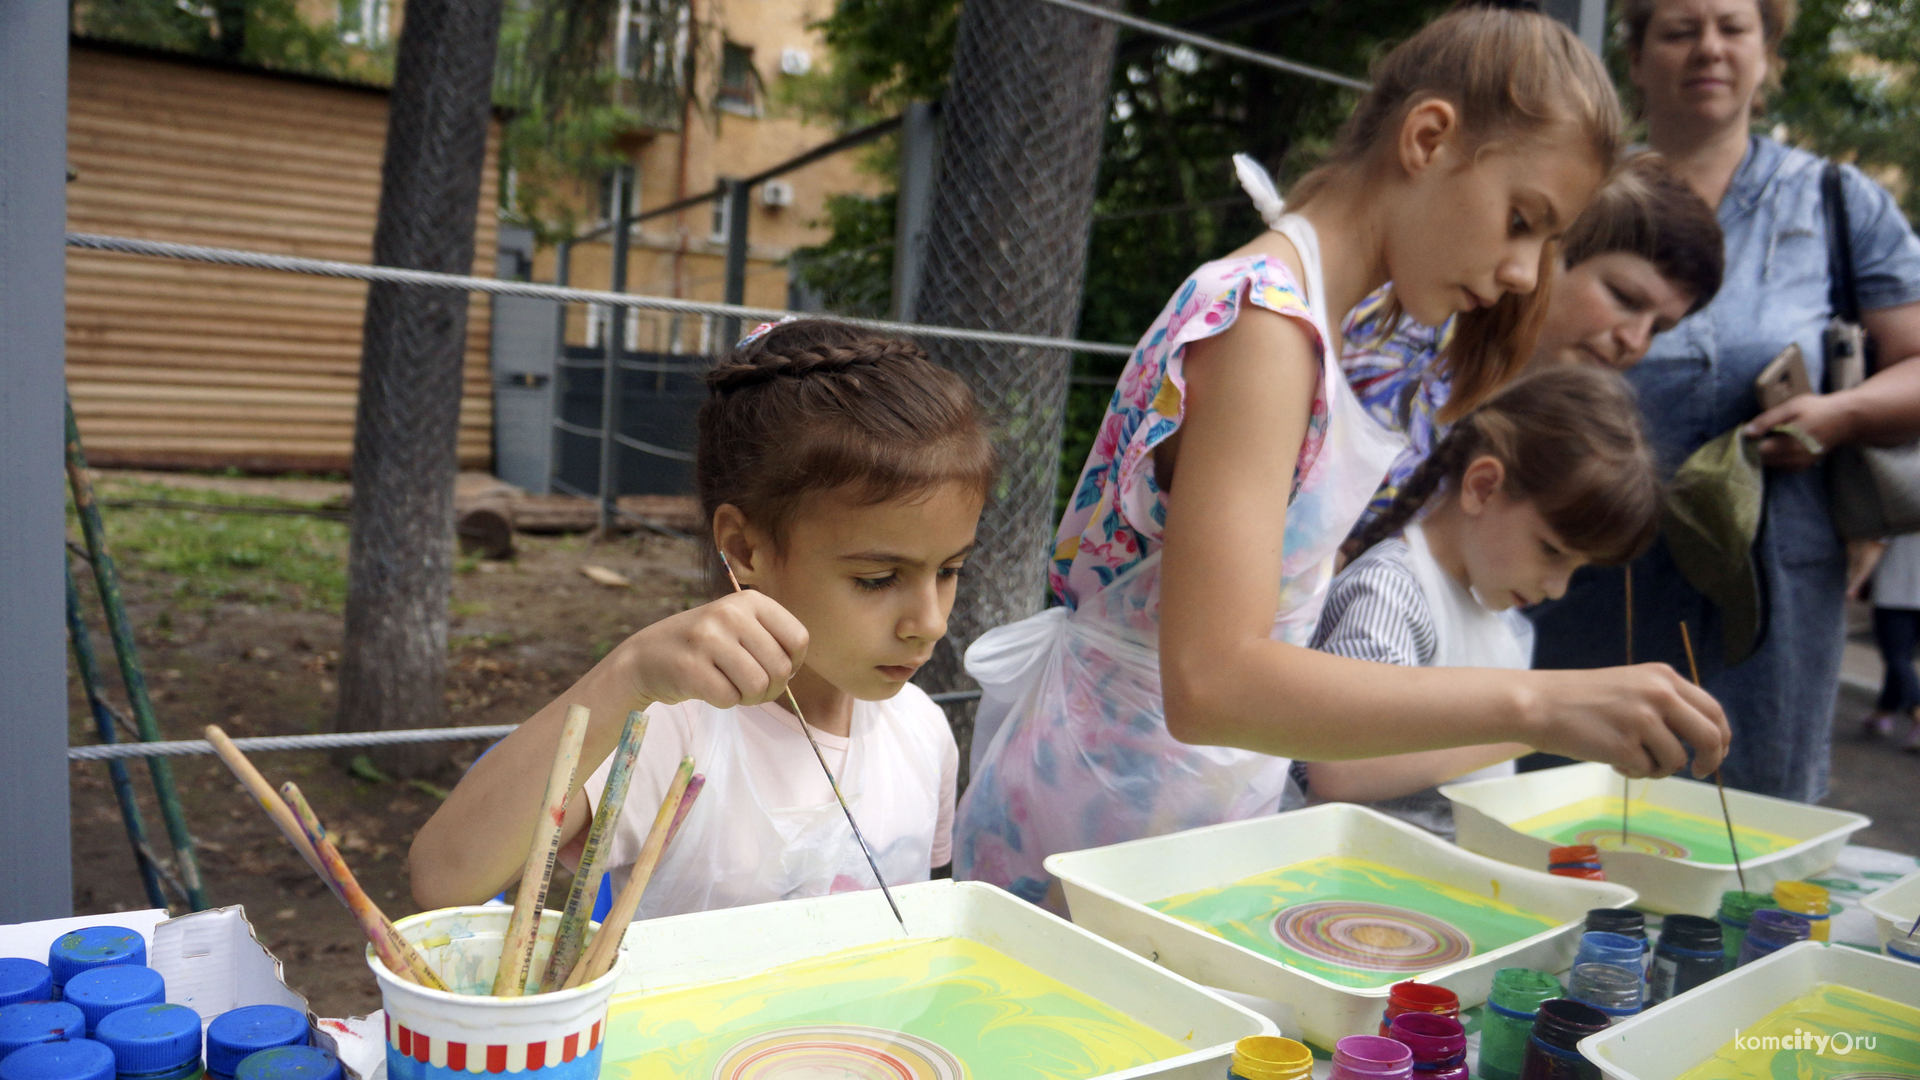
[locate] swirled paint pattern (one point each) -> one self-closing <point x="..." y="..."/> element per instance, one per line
<point x="1656" y="830"/>
<point x="941" y="1009"/>
<point x="1354" y="922"/>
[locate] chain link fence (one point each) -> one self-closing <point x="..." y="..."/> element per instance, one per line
<point x="1006" y="248"/>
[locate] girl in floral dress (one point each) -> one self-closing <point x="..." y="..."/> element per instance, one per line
<point x="1173" y="684"/>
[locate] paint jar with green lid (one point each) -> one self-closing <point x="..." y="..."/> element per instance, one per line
<point x="1269" y="1057"/>
<point x="1511" y="1006"/>
<point x="1736" y="911"/>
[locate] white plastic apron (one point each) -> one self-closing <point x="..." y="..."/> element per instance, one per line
<point x="1465" y="633"/>
<point x="734" y="848"/>
<point x="1087" y="759"/>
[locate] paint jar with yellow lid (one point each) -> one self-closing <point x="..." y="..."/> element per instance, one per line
<point x="1269" y="1057"/>
<point x="1807" y="900"/>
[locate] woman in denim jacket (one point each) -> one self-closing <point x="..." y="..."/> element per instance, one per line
<point x="1699" y="66"/>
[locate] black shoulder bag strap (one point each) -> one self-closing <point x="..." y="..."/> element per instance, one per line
<point x="1843" y="294"/>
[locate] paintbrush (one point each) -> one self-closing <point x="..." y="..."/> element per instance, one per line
<point x="1626" y="783"/>
<point x="395" y="951"/>
<point x="694" y="787"/>
<point x="570" y="940"/>
<point x="269" y="800"/>
<point x="865" y="848"/>
<point x="1686" y="640"/>
<point x="606" y="942"/>
<point x="523" y="928"/>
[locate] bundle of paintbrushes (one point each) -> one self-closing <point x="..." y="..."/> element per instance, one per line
<point x="302" y="829"/>
<point x="575" y="959"/>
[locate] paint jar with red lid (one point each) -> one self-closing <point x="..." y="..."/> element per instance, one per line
<point x="1414" y="997"/>
<point x="1576" y="861"/>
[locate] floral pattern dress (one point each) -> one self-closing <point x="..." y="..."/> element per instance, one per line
<point x="1396" y="374"/>
<point x="1077" y="752"/>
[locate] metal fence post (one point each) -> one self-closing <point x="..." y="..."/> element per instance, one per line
<point x="36" y="869"/>
<point x="616" y="344"/>
<point x="738" y="207"/>
<point x="919" y="158"/>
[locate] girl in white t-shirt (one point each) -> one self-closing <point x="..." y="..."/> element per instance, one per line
<point x="842" y="475"/>
<point x="1551" y="474"/>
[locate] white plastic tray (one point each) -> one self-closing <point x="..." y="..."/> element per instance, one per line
<point x="1484" y="812"/>
<point x="1895" y="907"/>
<point x="1108" y="890"/>
<point x="689" y="949"/>
<point x="1677" y="1035"/>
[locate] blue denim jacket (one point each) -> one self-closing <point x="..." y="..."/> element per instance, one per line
<point x="1697" y="382"/>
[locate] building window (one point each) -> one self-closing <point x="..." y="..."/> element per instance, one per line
<point x="722" y="212"/>
<point x="366" y="23"/>
<point x="739" y="82"/>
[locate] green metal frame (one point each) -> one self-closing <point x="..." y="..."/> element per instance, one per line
<point x="120" y="628"/>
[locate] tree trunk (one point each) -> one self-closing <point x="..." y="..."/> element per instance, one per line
<point x="400" y="557"/>
<point x="1006" y="250"/>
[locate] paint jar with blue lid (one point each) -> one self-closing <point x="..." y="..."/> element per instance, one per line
<point x="1688" y="955"/>
<point x="238" y="1033"/>
<point x="289" y="1063"/>
<point x="1903" y="948"/>
<point x="74" y="1059"/>
<point x="22" y="979"/>
<point x="153" y="1042"/>
<point x="33" y="1022"/>
<point x="93" y="947"/>
<point x="1606" y="947"/>
<point x="101" y="991"/>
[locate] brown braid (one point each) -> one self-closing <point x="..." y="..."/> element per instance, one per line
<point x="1570" y="441"/>
<point x="1448" y="461"/>
<point x="818" y="406"/>
<point x="759" y="366"/>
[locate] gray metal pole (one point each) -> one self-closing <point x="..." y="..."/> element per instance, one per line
<point x="1587" y="18"/>
<point x="616" y="345"/>
<point x="36" y="869"/>
<point x="738" y="207"/>
<point x="919" y="159"/>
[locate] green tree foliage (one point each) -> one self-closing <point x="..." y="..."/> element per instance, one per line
<point x="1167" y="198"/>
<point x="270" y="34"/>
<point x="1852" y="88"/>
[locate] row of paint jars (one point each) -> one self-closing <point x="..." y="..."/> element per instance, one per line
<point x="95" y="996"/>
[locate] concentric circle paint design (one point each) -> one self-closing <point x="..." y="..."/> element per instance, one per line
<point x="837" y="1052"/>
<point x="1372" y="937"/>
<point x="1609" y="840"/>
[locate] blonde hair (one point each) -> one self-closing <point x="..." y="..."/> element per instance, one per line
<point x="1776" y="18"/>
<point x="1507" y="71"/>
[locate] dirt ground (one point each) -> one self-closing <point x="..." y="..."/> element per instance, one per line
<point x="521" y="631"/>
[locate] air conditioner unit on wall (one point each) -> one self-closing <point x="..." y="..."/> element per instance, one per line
<point x="795" y="61"/>
<point x="776" y="193"/>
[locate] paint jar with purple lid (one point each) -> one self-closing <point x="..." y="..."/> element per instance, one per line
<point x="1552" y="1050"/>
<point x="1770" y="931"/>
<point x="1371" y="1057"/>
<point x="1439" y="1045"/>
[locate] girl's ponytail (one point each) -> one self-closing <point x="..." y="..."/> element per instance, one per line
<point x="1571" y="443"/>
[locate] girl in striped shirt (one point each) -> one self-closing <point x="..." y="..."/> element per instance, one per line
<point x="1550" y="475"/>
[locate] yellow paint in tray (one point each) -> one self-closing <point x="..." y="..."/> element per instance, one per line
<point x="927" y="1009"/>
<point x="1829" y="1033"/>
<point x="1653" y="830"/>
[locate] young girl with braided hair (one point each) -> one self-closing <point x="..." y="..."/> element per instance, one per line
<point x="842" y="476"/>
<point x="1551" y="474"/>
